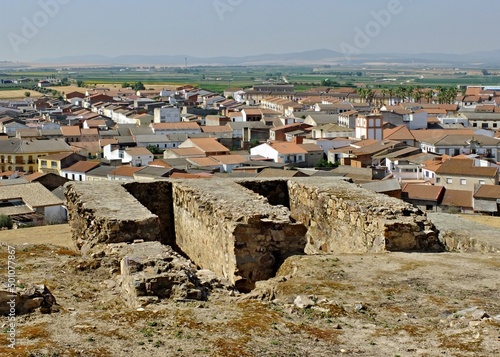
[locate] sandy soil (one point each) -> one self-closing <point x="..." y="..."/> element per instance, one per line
<point x="393" y="304"/>
<point x="18" y="93"/>
<point x="56" y="234"/>
<point x="488" y="220"/>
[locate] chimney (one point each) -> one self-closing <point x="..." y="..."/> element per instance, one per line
<point x="298" y="139"/>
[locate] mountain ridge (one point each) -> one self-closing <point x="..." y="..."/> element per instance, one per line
<point x="310" y="57"/>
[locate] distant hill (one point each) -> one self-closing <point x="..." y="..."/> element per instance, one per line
<point x="320" y="56"/>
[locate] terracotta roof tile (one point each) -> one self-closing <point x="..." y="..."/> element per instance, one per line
<point x="457" y="198"/>
<point x="488" y="191"/>
<point x="422" y="192"/>
<point x="465" y="167"/>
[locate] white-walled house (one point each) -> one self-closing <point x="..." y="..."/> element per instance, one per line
<point x="161" y="142"/>
<point x="329" y="131"/>
<point x="135" y="156"/>
<point x="369" y="127"/>
<point x="399" y="116"/>
<point x="175" y="128"/>
<point x="12" y="127"/>
<point x="329" y="144"/>
<point x="167" y="114"/>
<point x="280" y="152"/>
<point x="78" y="171"/>
<point x="454" y="145"/>
<point x="33" y="202"/>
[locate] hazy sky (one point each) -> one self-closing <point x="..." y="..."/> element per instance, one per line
<point x="31" y="30"/>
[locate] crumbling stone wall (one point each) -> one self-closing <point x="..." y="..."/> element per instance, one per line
<point x="157" y="198"/>
<point x="236" y="233"/>
<point x="231" y="227"/>
<point x="151" y="272"/>
<point x="276" y="191"/>
<point x="106" y="213"/>
<point x="344" y="218"/>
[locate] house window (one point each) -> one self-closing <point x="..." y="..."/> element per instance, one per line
<point x="482" y="182"/>
<point x="449" y="180"/>
<point x="474" y="125"/>
<point x="43" y="163"/>
<point x="429" y="207"/>
<point x="463" y="181"/>
<point x="53" y="165"/>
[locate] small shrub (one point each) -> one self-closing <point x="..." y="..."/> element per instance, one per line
<point x="6" y="222"/>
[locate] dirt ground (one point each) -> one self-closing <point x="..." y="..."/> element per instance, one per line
<point x="487" y="220"/>
<point x="56" y="234"/>
<point x="17" y="93"/>
<point x="394" y="304"/>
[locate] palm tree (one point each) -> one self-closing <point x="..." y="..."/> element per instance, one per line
<point x="401" y="93"/>
<point x="369" y="95"/>
<point x="428" y="95"/>
<point x="361" y="93"/>
<point x="391" y="95"/>
<point x="442" y="96"/>
<point x="385" y="92"/>
<point x="417" y="96"/>
<point x="451" y="95"/>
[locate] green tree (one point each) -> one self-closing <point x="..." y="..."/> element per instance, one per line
<point x="80" y="83"/>
<point x="326" y="82"/>
<point x="385" y="94"/>
<point x="5" y="222"/>
<point x="138" y="86"/>
<point x="27" y="94"/>
<point x="325" y="163"/>
<point x="254" y="143"/>
<point x="429" y="95"/>
<point x="154" y="150"/>
<point x="126" y="85"/>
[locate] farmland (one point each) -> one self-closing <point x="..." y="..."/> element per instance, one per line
<point x="16" y="93"/>
<point x="219" y="78"/>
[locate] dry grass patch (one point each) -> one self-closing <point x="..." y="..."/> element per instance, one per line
<point x="34" y="332"/>
<point x="17" y="94"/>
<point x="294" y="287"/>
<point x="65" y="251"/>
<point x="255" y="317"/>
<point x="464" y="342"/>
<point x="487" y="220"/>
<point x="233" y="347"/>
<point x="326" y="335"/>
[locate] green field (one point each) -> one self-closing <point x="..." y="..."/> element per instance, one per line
<point x="303" y="77"/>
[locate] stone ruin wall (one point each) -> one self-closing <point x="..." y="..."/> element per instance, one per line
<point x="236" y="233"/>
<point x="157" y="198"/>
<point x="244" y="230"/>
<point x="106" y="213"/>
<point x="344" y="218"/>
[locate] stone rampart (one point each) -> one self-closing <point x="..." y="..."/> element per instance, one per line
<point x="157" y="198"/>
<point x="344" y="218"/>
<point x="106" y="213"/>
<point x="243" y="230"/>
<point x="233" y="231"/>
